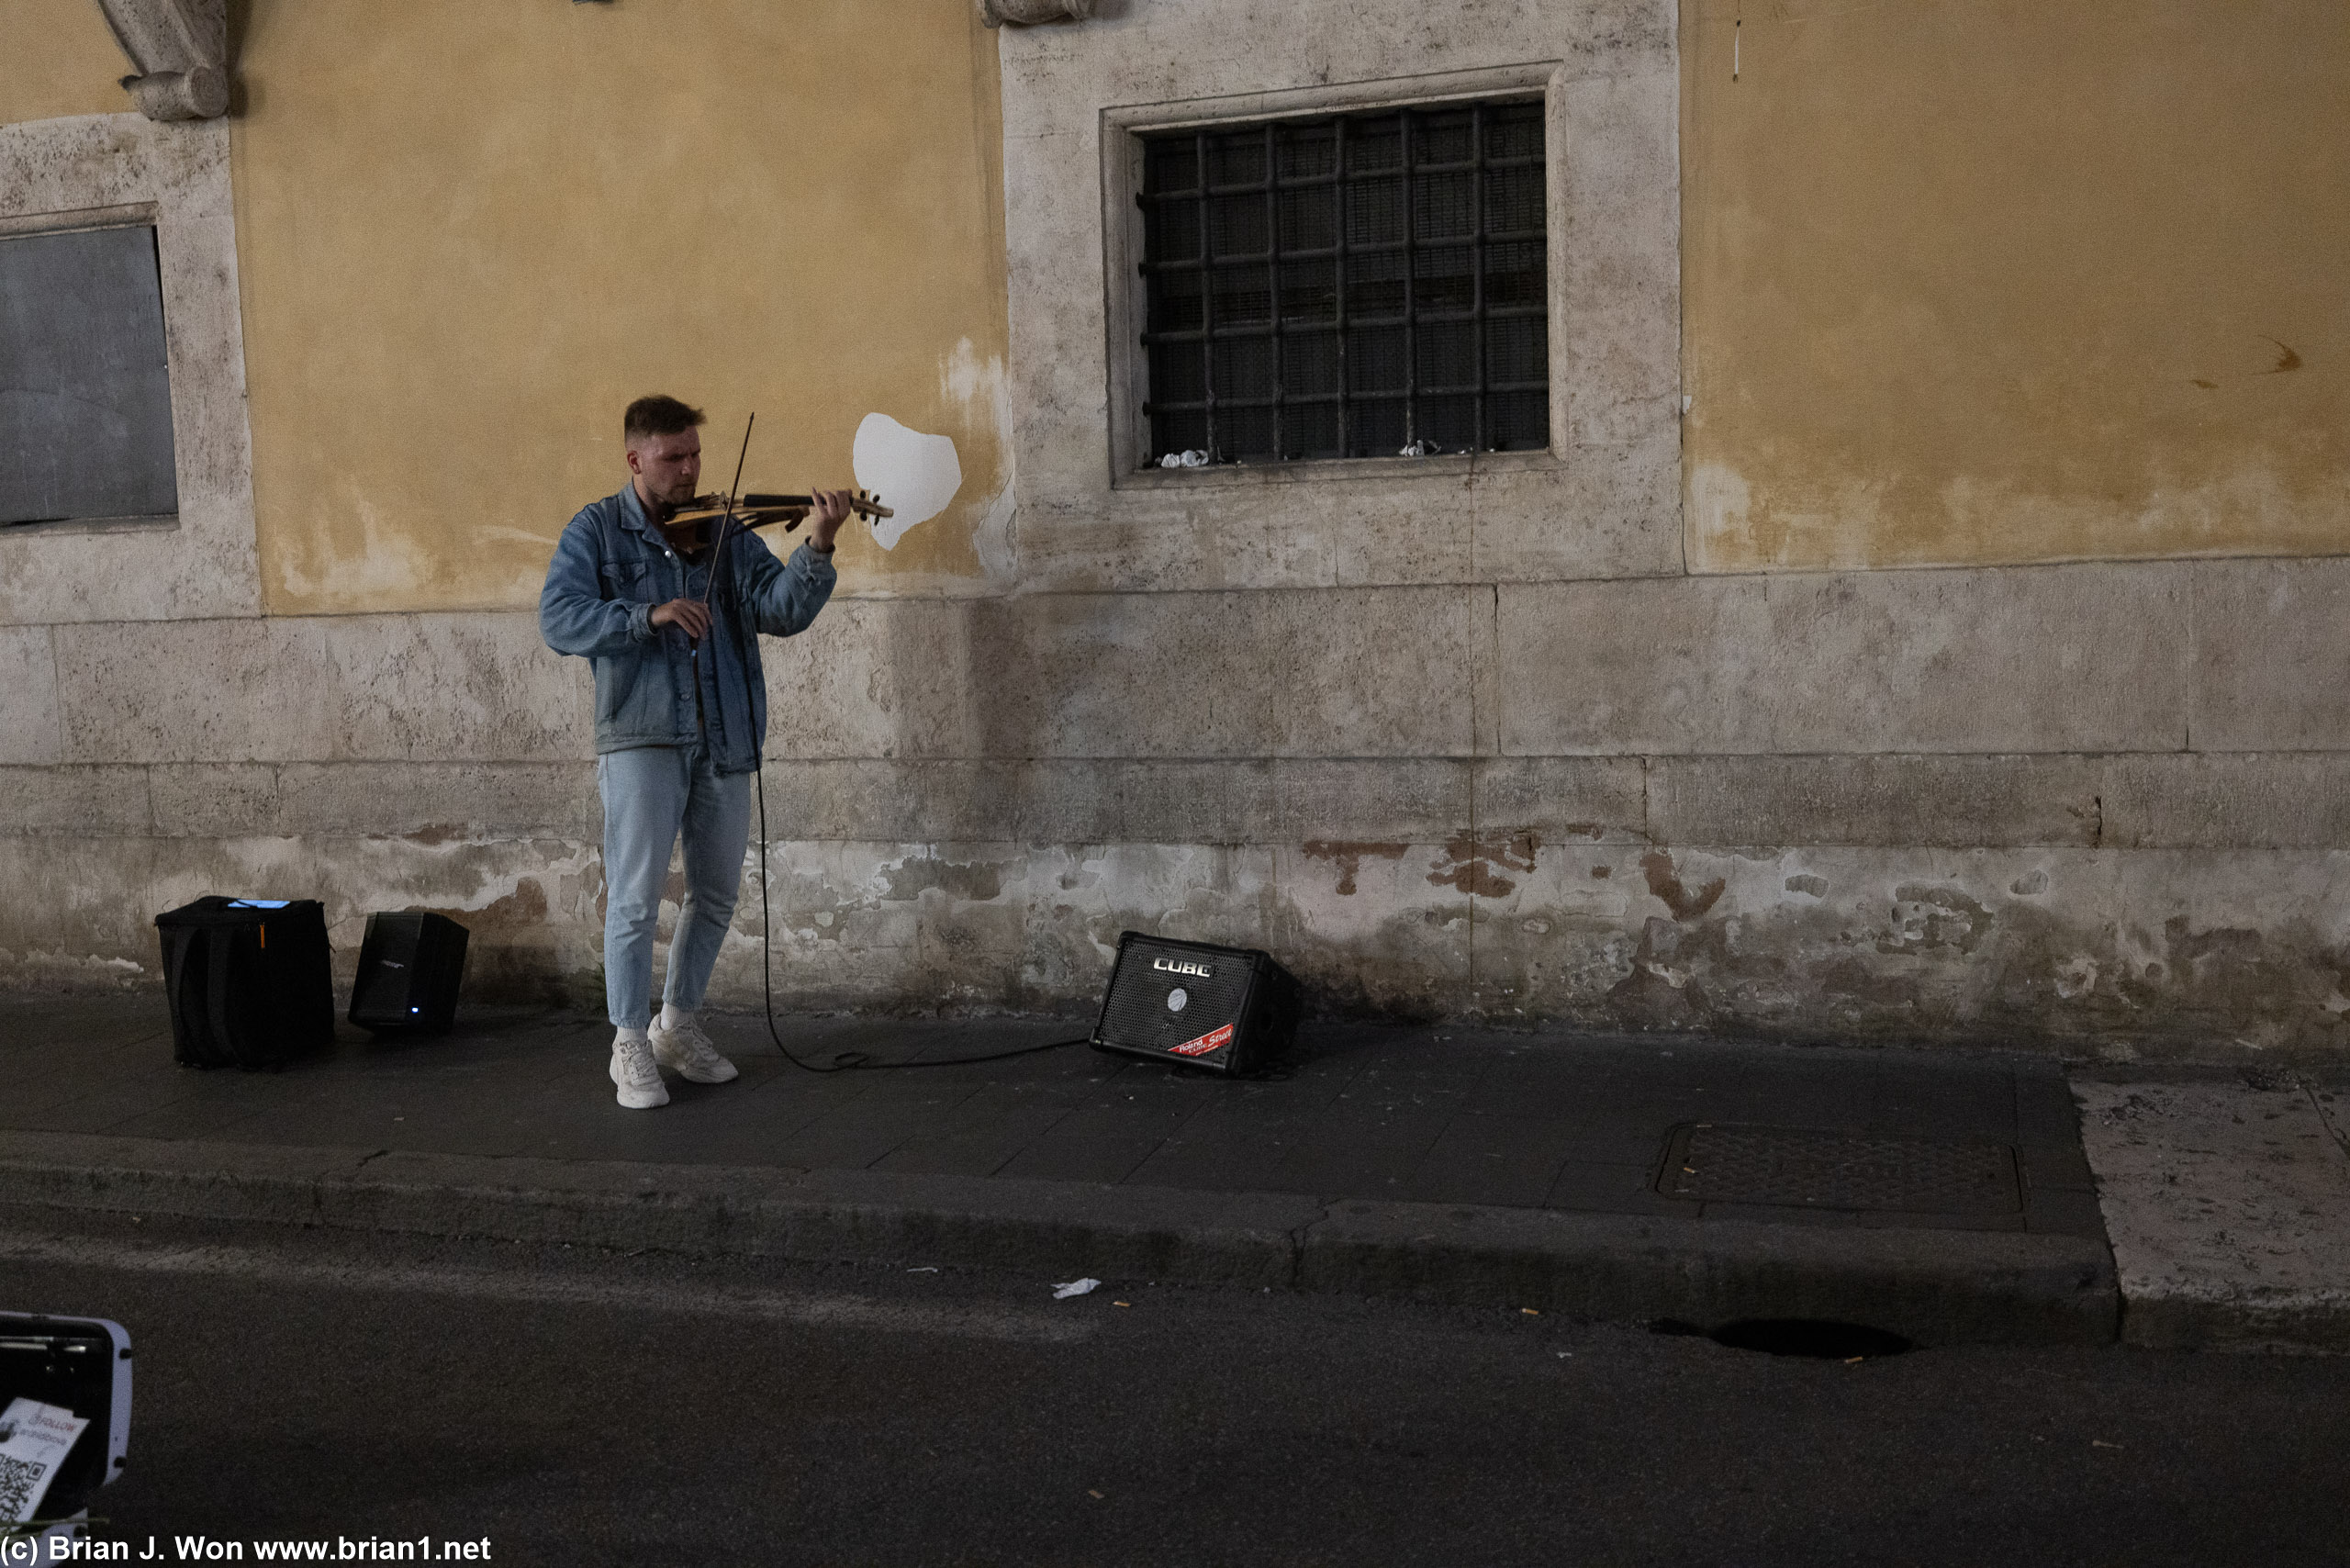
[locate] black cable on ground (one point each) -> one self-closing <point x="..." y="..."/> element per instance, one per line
<point x="844" y="1061"/>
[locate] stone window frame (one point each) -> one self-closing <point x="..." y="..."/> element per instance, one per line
<point x="90" y="171"/>
<point x="1122" y="132"/>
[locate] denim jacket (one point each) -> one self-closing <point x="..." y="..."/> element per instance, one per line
<point x="653" y="686"/>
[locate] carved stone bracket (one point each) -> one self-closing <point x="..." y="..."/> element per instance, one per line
<point x="181" y="50"/>
<point x="1027" y="13"/>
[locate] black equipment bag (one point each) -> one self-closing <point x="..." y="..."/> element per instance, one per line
<point x="251" y="980"/>
<point x="1230" y="1009"/>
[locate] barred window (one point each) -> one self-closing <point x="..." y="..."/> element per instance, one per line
<point x="1356" y="285"/>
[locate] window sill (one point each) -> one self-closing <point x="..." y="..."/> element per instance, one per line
<point x="1337" y="470"/>
<point x="160" y="523"/>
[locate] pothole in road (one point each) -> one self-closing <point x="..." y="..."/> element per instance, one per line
<point x="1818" y="1338"/>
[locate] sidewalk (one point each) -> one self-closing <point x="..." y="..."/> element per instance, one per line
<point x="2228" y="1198"/>
<point x="1944" y="1197"/>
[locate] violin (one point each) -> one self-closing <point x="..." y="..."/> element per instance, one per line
<point x="690" y="524"/>
<point x="759" y="509"/>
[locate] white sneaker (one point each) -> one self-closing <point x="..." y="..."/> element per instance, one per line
<point x="638" y="1080"/>
<point x="687" y="1051"/>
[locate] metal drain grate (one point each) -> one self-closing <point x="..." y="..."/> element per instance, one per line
<point x="1723" y="1164"/>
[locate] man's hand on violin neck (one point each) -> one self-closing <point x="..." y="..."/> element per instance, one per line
<point x="833" y="508"/>
<point x="691" y="616"/>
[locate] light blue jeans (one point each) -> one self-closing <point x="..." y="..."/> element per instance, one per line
<point x="650" y="794"/>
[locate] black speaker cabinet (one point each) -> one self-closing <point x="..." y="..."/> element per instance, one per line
<point x="1228" y="1009"/>
<point x="409" y="965"/>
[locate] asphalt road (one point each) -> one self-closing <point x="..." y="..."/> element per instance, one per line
<point x="581" y="1408"/>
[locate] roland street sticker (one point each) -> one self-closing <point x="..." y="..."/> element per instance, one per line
<point x="1214" y="1039"/>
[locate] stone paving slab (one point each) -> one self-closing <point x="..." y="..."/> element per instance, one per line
<point x="2229" y="1206"/>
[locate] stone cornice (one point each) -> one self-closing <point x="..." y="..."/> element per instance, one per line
<point x="180" y="53"/>
<point x="1027" y="13"/>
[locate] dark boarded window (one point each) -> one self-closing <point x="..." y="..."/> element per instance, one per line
<point x="85" y="395"/>
<point x="1352" y="286"/>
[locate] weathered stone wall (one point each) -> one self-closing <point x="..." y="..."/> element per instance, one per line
<point x="971" y="799"/>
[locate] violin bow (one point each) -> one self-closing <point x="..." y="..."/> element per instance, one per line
<point x="718" y="551"/>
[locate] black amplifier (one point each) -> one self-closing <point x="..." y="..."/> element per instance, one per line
<point x="1228" y="1009"/>
<point x="409" y="965"/>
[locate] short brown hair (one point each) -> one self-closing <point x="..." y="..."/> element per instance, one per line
<point x="655" y="416"/>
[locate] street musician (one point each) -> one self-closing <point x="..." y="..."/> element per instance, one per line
<point x="670" y="614"/>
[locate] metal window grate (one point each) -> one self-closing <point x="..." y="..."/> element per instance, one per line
<point x="1350" y="286"/>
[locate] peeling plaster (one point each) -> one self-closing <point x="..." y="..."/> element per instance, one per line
<point x="2163" y="952"/>
<point x="1348" y="858"/>
<point x="1478" y="866"/>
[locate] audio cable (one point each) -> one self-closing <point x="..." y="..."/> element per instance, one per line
<point x="844" y="1061"/>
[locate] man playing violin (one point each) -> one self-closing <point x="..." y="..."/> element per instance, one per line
<point x="670" y="617"/>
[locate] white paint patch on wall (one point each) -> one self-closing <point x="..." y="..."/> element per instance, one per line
<point x="1719" y="504"/>
<point x="985" y="393"/>
<point x="392" y="566"/>
<point x="992" y="539"/>
<point x="915" y="475"/>
<point x="964" y="377"/>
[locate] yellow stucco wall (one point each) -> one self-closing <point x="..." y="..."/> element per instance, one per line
<point x="59" y="60"/>
<point x="469" y="234"/>
<point x="1964" y="280"/>
<point x="2000" y="280"/>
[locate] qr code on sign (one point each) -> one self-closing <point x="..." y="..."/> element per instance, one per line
<point x="17" y="1479"/>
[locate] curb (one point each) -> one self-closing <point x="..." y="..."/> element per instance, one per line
<point x="1931" y="1286"/>
<point x="2227" y="1204"/>
<point x="2276" y="1322"/>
